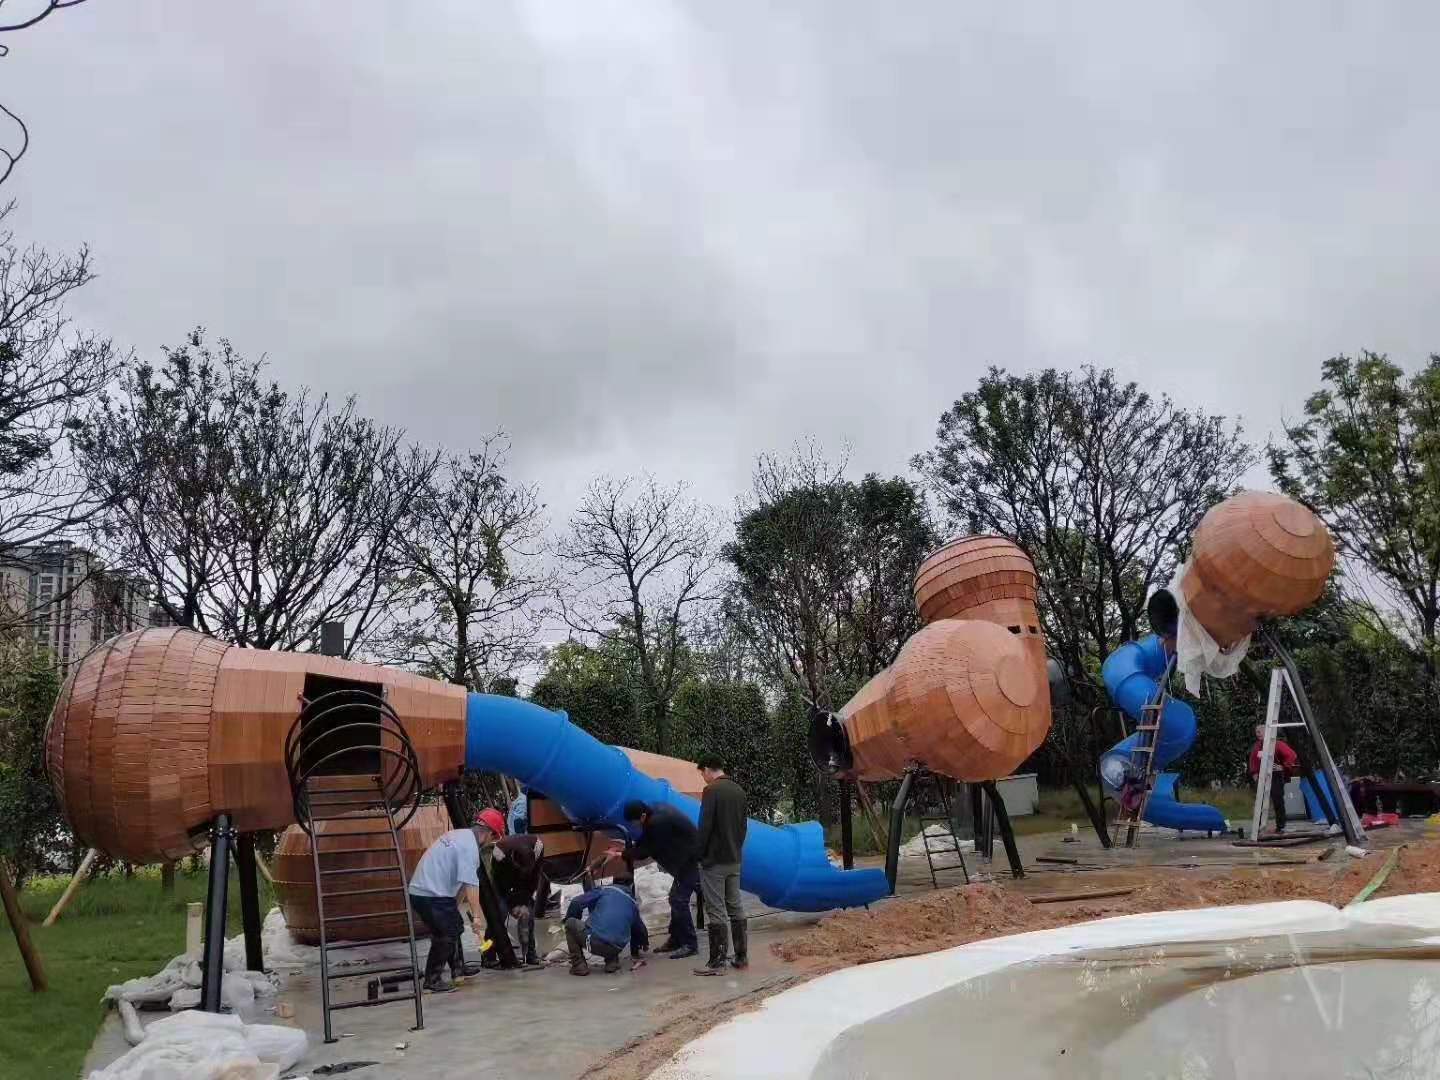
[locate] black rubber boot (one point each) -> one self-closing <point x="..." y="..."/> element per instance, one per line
<point x="719" y="946"/>
<point x="740" y="932"/>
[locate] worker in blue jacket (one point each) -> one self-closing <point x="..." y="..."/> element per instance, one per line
<point x="614" y="923"/>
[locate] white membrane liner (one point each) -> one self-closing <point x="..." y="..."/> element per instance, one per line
<point x="1296" y="988"/>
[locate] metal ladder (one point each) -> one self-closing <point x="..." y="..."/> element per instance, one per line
<point x="941" y="847"/>
<point x="329" y="882"/>
<point x="370" y="727"/>
<point x="1279" y="682"/>
<point x="1142" y="756"/>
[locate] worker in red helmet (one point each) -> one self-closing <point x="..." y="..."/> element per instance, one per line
<point x="493" y="820"/>
<point x="450" y="869"/>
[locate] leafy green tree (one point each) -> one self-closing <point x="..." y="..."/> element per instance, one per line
<point x="598" y="689"/>
<point x="1099" y="481"/>
<point x="730" y="719"/>
<point x="32" y="830"/>
<point x="824" y="570"/>
<point x="1367" y="459"/>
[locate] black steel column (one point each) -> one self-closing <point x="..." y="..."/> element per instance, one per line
<point x="897" y="826"/>
<point x="1097" y="819"/>
<point x="249" y="901"/>
<point x="984" y="822"/>
<point x="1007" y="832"/>
<point x="847" y="827"/>
<point x="212" y="961"/>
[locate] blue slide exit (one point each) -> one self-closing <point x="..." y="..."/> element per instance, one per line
<point x="786" y="867"/>
<point x="1132" y="676"/>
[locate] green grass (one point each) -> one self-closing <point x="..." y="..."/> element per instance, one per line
<point x="113" y="930"/>
<point x="1058" y="808"/>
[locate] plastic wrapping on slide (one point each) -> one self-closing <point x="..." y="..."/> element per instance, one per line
<point x="1132" y="676"/>
<point x="786" y="867"/>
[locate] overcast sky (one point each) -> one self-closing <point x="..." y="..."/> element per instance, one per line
<point x="644" y="234"/>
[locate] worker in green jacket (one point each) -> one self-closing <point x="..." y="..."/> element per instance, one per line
<point x="723" y="821"/>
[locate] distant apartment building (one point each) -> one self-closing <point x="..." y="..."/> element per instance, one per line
<point x="62" y="596"/>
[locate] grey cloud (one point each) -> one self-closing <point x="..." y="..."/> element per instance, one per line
<point x="673" y="235"/>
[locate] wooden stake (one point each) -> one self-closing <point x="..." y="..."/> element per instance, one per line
<point x="81" y="873"/>
<point x="22" y="932"/>
<point x="1093" y="894"/>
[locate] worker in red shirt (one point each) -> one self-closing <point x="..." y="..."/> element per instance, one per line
<point x="1285" y="765"/>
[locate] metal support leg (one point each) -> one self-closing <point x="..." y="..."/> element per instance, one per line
<point x="249" y="901"/>
<point x="897" y="826"/>
<point x="1007" y="833"/>
<point x="455" y="806"/>
<point x="847" y="828"/>
<point x="986" y="838"/>
<point x="213" y="959"/>
<point x="1097" y="819"/>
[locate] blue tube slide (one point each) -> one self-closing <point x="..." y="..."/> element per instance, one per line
<point x="1132" y="676"/>
<point x="1313" y="809"/>
<point x="786" y="867"/>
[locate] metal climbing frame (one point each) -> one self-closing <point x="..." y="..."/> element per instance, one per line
<point x="332" y="732"/>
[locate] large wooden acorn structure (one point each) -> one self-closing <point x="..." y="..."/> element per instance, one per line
<point x="157" y="731"/>
<point x="968" y="698"/>
<point x="165" y="740"/>
<point x="1256" y="555"/>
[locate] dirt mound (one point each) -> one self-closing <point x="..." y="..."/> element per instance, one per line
<point x="940" y="920"/>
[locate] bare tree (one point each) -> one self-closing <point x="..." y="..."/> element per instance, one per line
<point x="15" y="17"/>
<point x="258" y="514"/>
<point x="51" y="376"/>
<point x="643" y="560"/>
<point x="469" y="555"/>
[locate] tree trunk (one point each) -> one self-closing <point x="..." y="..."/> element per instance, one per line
<point x="167" y="878"/>
<point x="27" y="949"/>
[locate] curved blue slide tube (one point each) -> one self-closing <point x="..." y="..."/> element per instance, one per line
<point x="786" y="867"/>
<point x="1132" y="676"/>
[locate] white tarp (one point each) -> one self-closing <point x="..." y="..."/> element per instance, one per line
<point x="208" y="1046"/>
<point x="942" y="845"/>
<point x="788" y="1035"/>
<point x="178" y="983"/>
<point x="1196" y="652"/>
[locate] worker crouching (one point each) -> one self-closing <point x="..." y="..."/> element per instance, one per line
<point x="614" y="922"/>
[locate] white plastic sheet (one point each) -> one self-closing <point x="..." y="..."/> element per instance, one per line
<point x="1196" y="652"/>
<point x="208" y="1046"/>
<point x="789" y="1034"/>
<point x="942" y="846"/>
